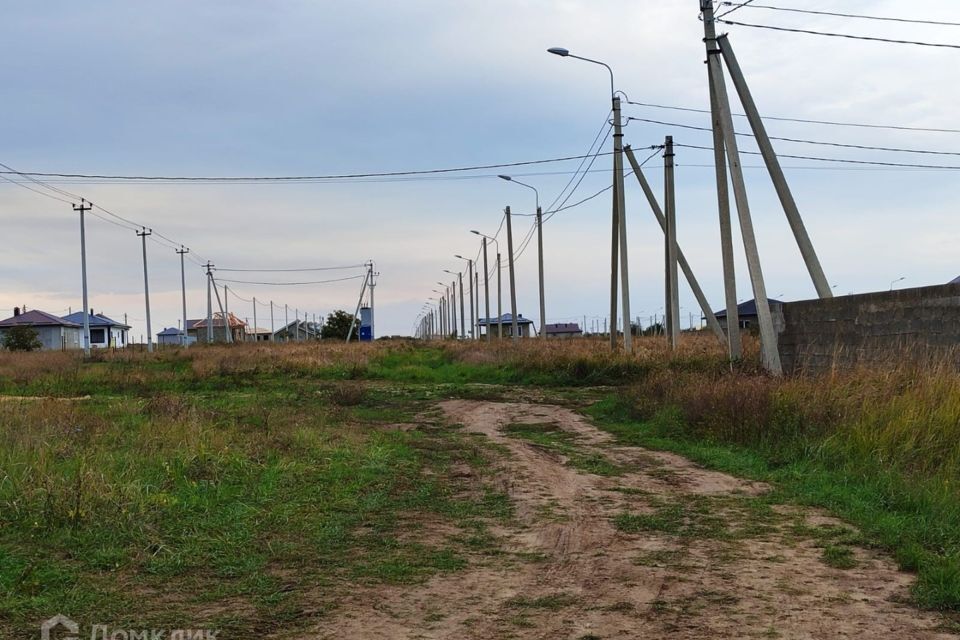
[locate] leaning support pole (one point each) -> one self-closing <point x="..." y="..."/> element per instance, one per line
<point x="223" y="313"/>
<point x="734" y="343"/>
<point x="363" y="289"/>
<point x="776" y="172"/>
<point x="681" y="260"/>
<point x="768" y="338"/>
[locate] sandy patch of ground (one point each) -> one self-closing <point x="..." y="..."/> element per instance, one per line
<point x="573" y="574"/>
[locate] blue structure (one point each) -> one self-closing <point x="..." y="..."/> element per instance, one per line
<point x="366" y="328"/>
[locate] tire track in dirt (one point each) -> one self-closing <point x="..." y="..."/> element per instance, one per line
<point x="573" y="574"/>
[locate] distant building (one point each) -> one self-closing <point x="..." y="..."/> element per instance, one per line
<point x="524" y="325"/>
<point x="172" y="336"/>
<point x="297" y="330"/>
<point x="747" y="312"/>
<point x="563" y="330"/>
<point x="197" y="329"/>
<point x="104" y="332"/>
<point x="258" y="334"/>
<point x="54" y="332"/>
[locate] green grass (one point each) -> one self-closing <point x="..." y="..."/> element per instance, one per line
<point x="916" y="518"/>
<point x="115" y="508"/>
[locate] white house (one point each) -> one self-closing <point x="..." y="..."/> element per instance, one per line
<point x="104" y="332"/>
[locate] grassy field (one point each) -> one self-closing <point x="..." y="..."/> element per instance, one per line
<point x="242" y="486"/>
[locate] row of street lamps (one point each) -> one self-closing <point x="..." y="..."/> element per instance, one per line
<point x="442" y="317"/>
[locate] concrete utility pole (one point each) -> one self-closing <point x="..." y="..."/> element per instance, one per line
<point x="622" y="220"/>
<point x="227" y="327"/>
<point x="272" y="329"/>
<point x="499" y="299"/>
<point x="183" y="293"/>
<point x="82" y="208"/>
<point x="539" y="223"/>
<point x="673" y="292"/>
<point x="734" y="344"/>
<point x="486" y="287"/>
<point x="463" y="328"/>
<point x="513" y="280"/>
<point x="286" y="323"/>
<point x="356" y="314"/>
<point x="619" y="222"/>
<point x="476" y="295"/>
<point x="684" y="265"/>
<point x="146" y="285"/>
<point x="373" y="284"/>
<point x="209" y="304"/>
<point x="776" y="172"/>
<point x="296" y="322"/>
<point x="768" y="338"/>
<point x="220" y="304"/>
<point x="256" y="336"/>
<point x="473" y="317"/>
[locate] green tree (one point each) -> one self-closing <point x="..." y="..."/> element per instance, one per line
<point x="22" y="338"/>
<point x="338" y="324"/>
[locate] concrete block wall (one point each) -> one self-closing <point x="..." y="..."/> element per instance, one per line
<point x="868" y="328"/>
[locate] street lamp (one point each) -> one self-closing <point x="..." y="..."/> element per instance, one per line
<point x="896" y="281"/>
<point x="473" y="317"/>
<point x="543" y="311"/>
<point x="618" y="239"/>
<point x="484" y="238"/>
<point x="459" y="275"/>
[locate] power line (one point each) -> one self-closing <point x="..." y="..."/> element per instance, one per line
<point x="939" y="45"/>
<point x="836" y="14"/>
<point x="805" y="120"/>
<point x="799" y="140"/>
<point x="840" y="160"/>
<point x="349" y="266"/>
<point x="290" y="284"/>
<point x="740" y="5"/>
<point x="298" y="178"/>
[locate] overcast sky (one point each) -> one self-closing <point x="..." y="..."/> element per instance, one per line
<point x="243" y="88"/>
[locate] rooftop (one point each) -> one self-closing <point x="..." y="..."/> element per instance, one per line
<point x="748" y="308"/>
<point x="96" y="320"/>
<point x="562" y="327"/>
<point x="36" y="318"/>
<point x="506" y="319"/>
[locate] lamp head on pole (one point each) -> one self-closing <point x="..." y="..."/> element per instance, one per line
<point x="559" y="51"/>
<point x="503" y="177"/>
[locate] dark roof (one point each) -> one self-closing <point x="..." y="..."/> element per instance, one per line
<point x="955" y="280"/>
<point x="563" y="327"/>
<point x="170" y="331"/>
<point x="96" y="320"/>
<point x="506" y="319"/>
<point x="748" y="308"/>
<point x="37" y="318"/>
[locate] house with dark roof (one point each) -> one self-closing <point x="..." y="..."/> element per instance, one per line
<point x="54" y="332"/>
<point x="955" y="280"/>
<point x="524" y="326"/>
<point x="104" y="332"/>
<point x="747" y="312"/>
<point x="563" y="330"/>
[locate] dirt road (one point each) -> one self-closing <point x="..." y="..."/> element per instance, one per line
<point x="620" y="542"/>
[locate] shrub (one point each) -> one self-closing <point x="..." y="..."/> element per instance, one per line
<point x="22" y="338"/>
